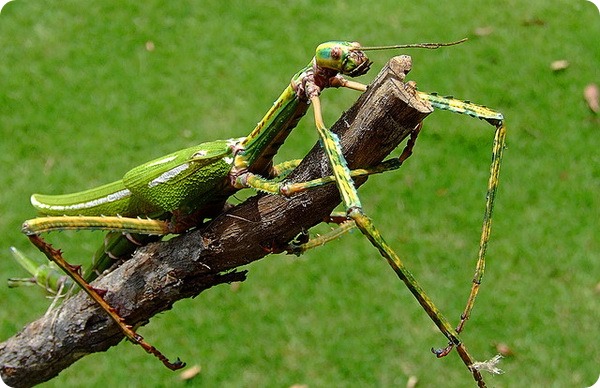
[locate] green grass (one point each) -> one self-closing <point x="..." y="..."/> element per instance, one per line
<point x="82" y="99"/>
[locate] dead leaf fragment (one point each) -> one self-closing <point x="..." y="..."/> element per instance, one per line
<point x="484" y="31"/>
<point x="190" y="373"/>
<point x="412" y="382"/>
<point x="559" y="65"/>
<point x="534" y="21"/>
<point x="504" y="349"/>
<point x="591" y="93"/>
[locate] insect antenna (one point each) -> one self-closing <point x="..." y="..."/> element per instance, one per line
<point x="430" y="46"/>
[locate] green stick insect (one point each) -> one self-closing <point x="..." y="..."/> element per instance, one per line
<point x="173" y="193"/>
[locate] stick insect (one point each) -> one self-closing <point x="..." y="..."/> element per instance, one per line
<point x="173" y="192"/>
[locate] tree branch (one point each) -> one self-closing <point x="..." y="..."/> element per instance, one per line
<point x="161" y="273"/>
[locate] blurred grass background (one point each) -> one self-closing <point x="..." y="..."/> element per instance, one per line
<point x="90" y="89"/>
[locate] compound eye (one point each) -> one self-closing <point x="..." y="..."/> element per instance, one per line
<point x="336" y="53"/>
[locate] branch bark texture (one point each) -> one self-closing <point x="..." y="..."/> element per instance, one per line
<point x="161" y="273"/>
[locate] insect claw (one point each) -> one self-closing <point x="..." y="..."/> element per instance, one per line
<point x="439" y="353"/>
<point x="178" y="364"/>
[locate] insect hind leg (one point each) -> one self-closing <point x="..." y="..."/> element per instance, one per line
<point x="74" y="272"/>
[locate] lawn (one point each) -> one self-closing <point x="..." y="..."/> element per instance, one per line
<point x="91" y="89"/>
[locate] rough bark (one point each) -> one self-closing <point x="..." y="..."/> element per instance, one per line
<point x="162" y="273"/>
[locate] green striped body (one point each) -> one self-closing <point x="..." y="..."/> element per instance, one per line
<point x="181" y="180"/>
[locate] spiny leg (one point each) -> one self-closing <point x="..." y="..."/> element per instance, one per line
<point x="122" y="241"/>
<point x="496" y="119"/>
<point x="365" y="225"/>
<point x="354" y="211"/>
<point x="290" y="188"/>
<point x="112" y="223"/>
<point x="497" y="151"/>
<point x="75" y="273"/>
